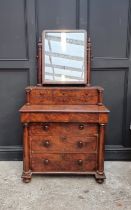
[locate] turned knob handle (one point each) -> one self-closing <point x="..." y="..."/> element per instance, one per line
<point x="81" y="127"/>
<point x="80" y="144"/>
<point x="46" y="161"/>
<point x="80" y="162"/>
<point x="46" y="127"/>
<point x="46" y="143"/>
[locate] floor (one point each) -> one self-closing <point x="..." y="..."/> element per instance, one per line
<point x="65" y="192"/>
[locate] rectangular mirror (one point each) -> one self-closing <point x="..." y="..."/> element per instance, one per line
<point x="64" y="57"/>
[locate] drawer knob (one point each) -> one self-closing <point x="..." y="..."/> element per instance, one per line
<point x="80" y="144"/>
<point x="46" y="143"/>
<point x="80" y="162"/>
<point x="46" y="161"/>
<point x="46" y="127"/>
<point x="81" y="127"/>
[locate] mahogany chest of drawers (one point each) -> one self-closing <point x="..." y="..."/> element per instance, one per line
<point x="64" y="131"/>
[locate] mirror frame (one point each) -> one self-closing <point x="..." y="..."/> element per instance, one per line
<point x="43" y="58"/>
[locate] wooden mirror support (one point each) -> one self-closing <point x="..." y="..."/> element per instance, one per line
<point x="39" y="63"/>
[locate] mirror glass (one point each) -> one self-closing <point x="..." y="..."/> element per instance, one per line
<point x="64" y="57"/>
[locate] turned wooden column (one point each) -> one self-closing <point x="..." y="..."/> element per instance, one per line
<point x="39" y="66"/>
<point x="88" y="61"/>
<point x="28" y="96"/>
<point x="26" y="159"/>
<point x="100" y="97"/>
<point x="101" y="149"/>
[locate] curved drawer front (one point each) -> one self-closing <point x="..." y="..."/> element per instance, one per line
<point x="75" y="129"/>
<point x="83" y="143"/>
<point x="63" y="162"/>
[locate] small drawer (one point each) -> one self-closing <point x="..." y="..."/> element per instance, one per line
<point x="83" y="143"/>
<point x="63" y="129"/>
<point x="63" y="162"/>
<point x="64" y="95"/>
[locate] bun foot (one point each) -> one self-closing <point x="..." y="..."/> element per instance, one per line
<point x="26" y="180"/>
<point x="26" y="177"/>
<point x="100" y="181"/>
<point x="100" y="177"/>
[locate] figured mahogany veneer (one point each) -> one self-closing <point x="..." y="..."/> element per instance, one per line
<point x="64" y="128"/>
<point x="64" y="136"/>
<point x="64" y="95"/>
<point x="66" y="162"/>
<point x="59" y="129"/>
<point x="63" y="143"/>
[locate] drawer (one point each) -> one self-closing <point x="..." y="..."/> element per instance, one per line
<point x="83" y="143"/>
<point x="61" y="96"/>
<point x="63" y="162"/>
<point x="76" y="129"/>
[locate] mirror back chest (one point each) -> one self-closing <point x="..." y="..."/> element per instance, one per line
<point x="64" y="118"/>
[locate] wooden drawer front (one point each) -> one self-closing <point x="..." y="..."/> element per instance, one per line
<point x="60" y="129"/>
<point x="63" y="162"/>
<point x="40" y="144"/>
<point x="64" y="96"/>
<point x="59" y="117"/>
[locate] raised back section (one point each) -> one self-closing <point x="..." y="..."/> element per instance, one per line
<point x="64" y="95"/>
<point x="39" y="62"/>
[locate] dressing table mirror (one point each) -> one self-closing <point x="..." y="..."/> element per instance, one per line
<point x="64" y="54"/>
<point x="64" y="118"/>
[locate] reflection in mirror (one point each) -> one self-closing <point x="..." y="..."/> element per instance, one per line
<point x="64" y="57"/>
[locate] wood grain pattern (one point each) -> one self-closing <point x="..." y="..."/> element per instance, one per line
<point x="39" y="67"/>
<point x="63" y="162"/>
<point x="101" y="149"/>
<point x="57" y="129"/>
<point x="64" y="108"/>
<point x="65" y="132"/>
<point x="26" y="175"/>
<point x="64" y="113"/>
<point x="63" y="143"/>
<point x="61" y="117"/>
<point x="66" y="96"/>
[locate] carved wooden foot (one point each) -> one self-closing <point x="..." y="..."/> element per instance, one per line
<point x="26" y="176"/>
<point x="100" y="181"/>
<point x="100" y="177"/>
